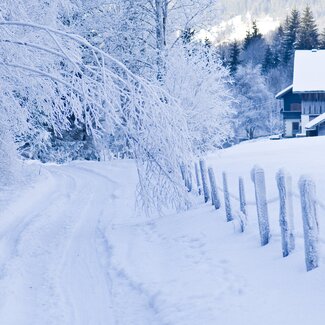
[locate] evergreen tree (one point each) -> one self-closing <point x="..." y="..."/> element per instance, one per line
<point x="256" y="33"/>
<point x="277" y="44"/>
<point x="252" y="35"/>
<point x="234" y="53"/>
<point x="254" y="46"/>
<point x="247" y="39"/>
<point x="308" y="36"/>
<point x="322" y="40"/>
<point x="268" y="62"/>
<point x="276" y="59"/>
<point x="291" y="28"/>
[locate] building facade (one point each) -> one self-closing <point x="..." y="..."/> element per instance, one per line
<point x="303" y="102"/>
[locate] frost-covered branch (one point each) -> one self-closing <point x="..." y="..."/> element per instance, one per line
<point x="63" y="78"/>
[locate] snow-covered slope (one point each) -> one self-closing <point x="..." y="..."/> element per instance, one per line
<point x="74" y="251"/>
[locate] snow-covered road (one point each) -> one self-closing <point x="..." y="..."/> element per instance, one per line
<point x="73" y="251"/>
<point x="52" y="272"/>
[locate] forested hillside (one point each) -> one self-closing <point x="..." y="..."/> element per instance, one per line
<point x="275" y="8"/>
<point x="232" y="17"/>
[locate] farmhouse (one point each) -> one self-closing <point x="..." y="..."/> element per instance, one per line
<point x="303" y="108"/>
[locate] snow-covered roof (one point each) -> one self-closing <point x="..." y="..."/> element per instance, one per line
<point x="309" y="71"/>
<point x="313" y="123"/>
<point x="283" y="92"/>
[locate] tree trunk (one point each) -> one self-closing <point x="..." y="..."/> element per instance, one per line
<point x="161" y="13"/>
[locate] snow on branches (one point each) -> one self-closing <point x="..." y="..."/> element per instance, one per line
<point x="58" y="78"/>
<point x="197" y="77"/>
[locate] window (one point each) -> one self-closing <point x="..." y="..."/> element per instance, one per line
<point x="295" y="127"/>
<point x="295" y="107"/>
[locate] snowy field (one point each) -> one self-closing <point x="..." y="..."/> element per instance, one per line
<point x="74" y="251"/>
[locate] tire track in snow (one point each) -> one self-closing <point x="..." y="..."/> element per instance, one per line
<point x="80" y="275"/>
<point x="130" y="302"/>
<point x="29" y="239"/>
<point x="58" y="260"/>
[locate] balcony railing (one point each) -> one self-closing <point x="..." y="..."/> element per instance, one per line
<point x="313" y="107"/>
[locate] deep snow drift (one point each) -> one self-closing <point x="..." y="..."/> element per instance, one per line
<point x="73" y="249"/>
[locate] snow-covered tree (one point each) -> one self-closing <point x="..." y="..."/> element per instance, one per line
<point x="111" y="96"/>
<point x="255" y="102"/>
<point x="254" y="46"/>
<point x="48" y="66"/>
<point x="322" y="40"/>
<point x="195" y="75"/>
<point x="142" y="32"/>
<point x="54" y="13"/>
<point x="291" y="29"/>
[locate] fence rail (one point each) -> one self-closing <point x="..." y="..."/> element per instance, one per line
<point x="207" y="186"/>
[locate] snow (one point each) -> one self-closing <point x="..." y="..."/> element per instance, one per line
<point x="235" y="28"/>
<point x="283" y="92"/>
<point x="309" y="71"/>
<point x="314" y="122"/>
<point x="74" y="250"/>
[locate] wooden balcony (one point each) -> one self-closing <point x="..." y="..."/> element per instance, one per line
<point x="313" y="107"/>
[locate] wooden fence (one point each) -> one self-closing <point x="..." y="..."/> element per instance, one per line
<point x="207" y="187"/>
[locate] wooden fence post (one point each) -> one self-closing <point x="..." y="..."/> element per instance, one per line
<point x="229" y="215"/>
<point x="258" y="177"/>
<point x="286" y="212"/>
<point x="197" y="176"/>
<point x="188" y="178"/>
<point x="204" y="176"/>
<point x="242" y="196"/>
<point x="182" y="168"/>
<point x="310" y="223"/>
<point x="214" y="189"/>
